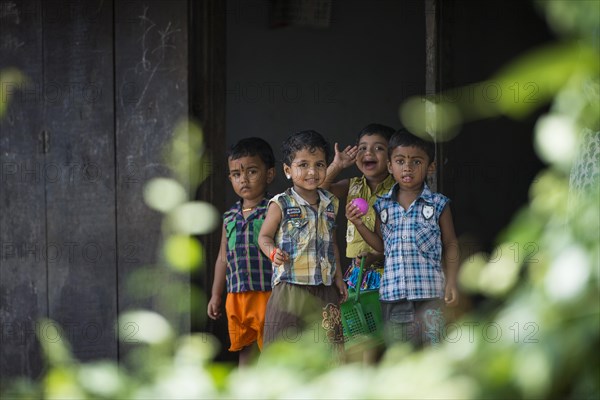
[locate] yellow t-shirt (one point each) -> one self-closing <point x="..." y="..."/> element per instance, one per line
<point x="358" y="187"/>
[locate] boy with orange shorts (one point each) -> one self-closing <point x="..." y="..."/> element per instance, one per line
<point x="241" y="264"/>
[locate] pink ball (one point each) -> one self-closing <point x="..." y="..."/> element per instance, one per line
<point x="362" y="204"/>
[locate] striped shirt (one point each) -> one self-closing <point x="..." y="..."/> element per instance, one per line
<point x="412" y="246"/>
<point x="307" y="235"/>
<point x="248" y="269"/>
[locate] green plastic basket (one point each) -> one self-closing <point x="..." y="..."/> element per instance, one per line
<point x="361" y="314"/>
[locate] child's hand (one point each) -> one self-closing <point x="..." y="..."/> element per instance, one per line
<point x="353" y="214"/>
<point x="370" y="258"/>
<point x="214" y="307"/>
<point x="451" y="295"/>
<point x="341" y="285"/>
<point x="278" y="256"/>
<point x="346" y="157"/>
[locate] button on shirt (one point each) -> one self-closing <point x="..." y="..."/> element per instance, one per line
<point x="412" y="246"/>
<point x="248" y="269"/>
<point x="307" y="236"/>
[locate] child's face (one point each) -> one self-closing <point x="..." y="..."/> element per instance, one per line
<point x="308" y="169"/>
<point x="249" y="176"/>
<point x="410" y="167"/>
<point x="372" y="157"/>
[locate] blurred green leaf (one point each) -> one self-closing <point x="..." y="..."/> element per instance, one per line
<point x="163" y="194"/>
<point x="193" y="218"/>
<point x="61" y="383"/>
<point x="55" y="345"/>
<point x="144" y="327"/>
<point x="184" y="252"/>
<point x="11" y="80"/>
<point x="537" y="76"/>
<point x="186" y="155"/>
<point x="102" y="379"/>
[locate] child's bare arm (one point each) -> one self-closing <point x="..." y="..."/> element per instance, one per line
<point x="338" y="278"/>
<point x="373" y="239"/>
<point x="342" y="159"/>
<point x="214" y="305"/>
<point x="339" y="189"/>
<point x="450" y="257"/>
<point x="266" y="238"/>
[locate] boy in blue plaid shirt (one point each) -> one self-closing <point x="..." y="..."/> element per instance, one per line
<point x="241" y="264"/>
<point x="415" y="231"/>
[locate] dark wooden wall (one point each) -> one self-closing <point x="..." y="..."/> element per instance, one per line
<point x="487" y="169"/>
<point x="107" y="81"/>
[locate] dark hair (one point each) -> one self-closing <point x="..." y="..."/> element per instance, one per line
<point x="402" y="137"/>
<point x="310" y="140"/>
<point x="253" y="146"/>
<point x="376" y="129"/>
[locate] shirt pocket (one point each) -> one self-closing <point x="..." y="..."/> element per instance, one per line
<point x="427" y="239"/>
<point x="256" y="225"/>
<point x="391" y="235"/>
<point x="297" y="230"/>
<point x="230" y="234"/>
<point x="330" y="224"/>
<point x="402" y="312"/>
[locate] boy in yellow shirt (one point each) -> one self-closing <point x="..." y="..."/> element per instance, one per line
<point x="371" y="157"/>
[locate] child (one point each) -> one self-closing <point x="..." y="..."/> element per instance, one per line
<point x="246" y="269"/>
<point x="413" y="224"/>
<point x="299" y="236"/>
<point x="371" y="157"/>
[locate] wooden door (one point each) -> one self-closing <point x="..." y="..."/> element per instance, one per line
<point x="106" y="84"/>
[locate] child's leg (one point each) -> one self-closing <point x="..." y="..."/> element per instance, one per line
<point x="430" y="321"/>
<point x="398" y="320"/>
<point x="248" y="354"/>
<point x="416" y="322"/>
<point x="297" y="310"/>
<point x="245" y="316"/>
<point x="284" y="318"/>
<point x="328" y="321"/>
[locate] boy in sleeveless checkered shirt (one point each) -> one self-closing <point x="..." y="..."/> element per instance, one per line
<point x="241" y="264"/>
<point x="414" y="229"/>
<point x="299" y="236"/>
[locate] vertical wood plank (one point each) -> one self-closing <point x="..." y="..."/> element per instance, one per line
<point x="23" y="297"/>
<point x="431" y="67"/>
<point x="444" y="61"/>
<point x="207" y="99"/>
<point x="151" y="80"/>
<point x="78" y="71"/>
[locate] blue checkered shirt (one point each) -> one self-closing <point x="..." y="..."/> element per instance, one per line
<point x="412" y="246"/>
<point x="248" y="269"/>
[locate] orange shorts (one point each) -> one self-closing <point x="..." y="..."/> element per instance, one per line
<point x="246" y="318"/>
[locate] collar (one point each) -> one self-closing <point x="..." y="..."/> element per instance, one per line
<point x="387" y="183"/>
<point x="263" y="203"/>
<point x="324" y="197"/>
<point x="425" y="194"/>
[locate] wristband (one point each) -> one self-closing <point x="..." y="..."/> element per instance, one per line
<point x="272" y="255"/>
